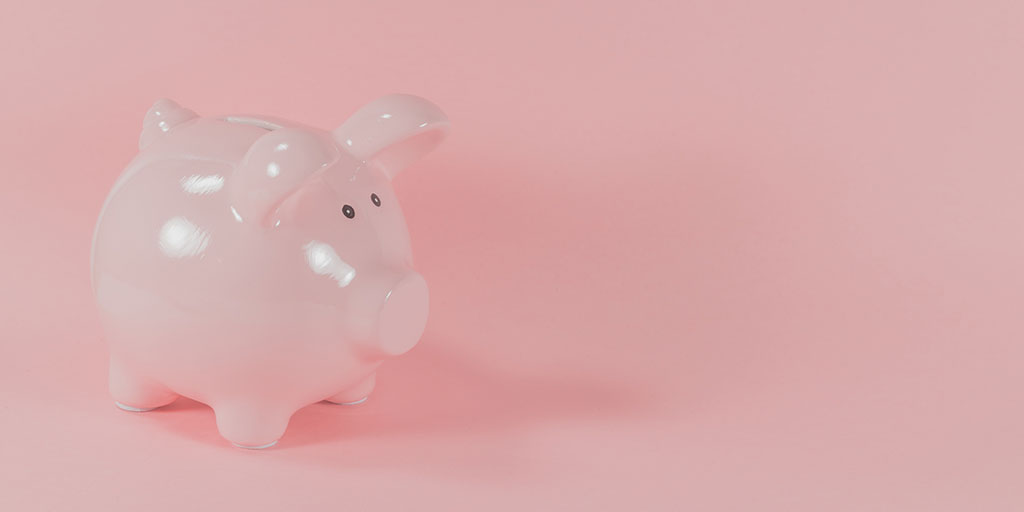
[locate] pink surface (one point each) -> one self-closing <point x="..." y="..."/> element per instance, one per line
<point x="712" y="256"/>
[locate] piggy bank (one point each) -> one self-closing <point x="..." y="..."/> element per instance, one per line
<point x="259" y="265"/>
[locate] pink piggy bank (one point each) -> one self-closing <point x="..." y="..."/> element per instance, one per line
<point x="258" y="265"/>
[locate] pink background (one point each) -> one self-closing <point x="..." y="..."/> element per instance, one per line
<point x="694" y="255"/>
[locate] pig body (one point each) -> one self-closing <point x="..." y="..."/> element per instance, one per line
<point x="259" y="266"/>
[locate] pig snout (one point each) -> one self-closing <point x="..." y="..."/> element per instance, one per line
<point x="404" y="314"/>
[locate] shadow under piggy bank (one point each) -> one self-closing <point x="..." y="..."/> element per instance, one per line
<point x="432" y="411"/>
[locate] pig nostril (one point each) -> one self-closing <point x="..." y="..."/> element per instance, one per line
<point x="404" y="315"/>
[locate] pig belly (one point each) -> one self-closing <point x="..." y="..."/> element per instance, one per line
<point x="273" y="355"/>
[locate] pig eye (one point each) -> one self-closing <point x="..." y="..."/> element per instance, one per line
<point x="375" y="199"/>
<point x="348" y="211"/>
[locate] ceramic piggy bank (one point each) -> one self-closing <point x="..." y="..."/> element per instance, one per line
<point x="259" y="265"/>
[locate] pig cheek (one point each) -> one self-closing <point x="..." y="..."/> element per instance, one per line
<point x="358" y="318"/>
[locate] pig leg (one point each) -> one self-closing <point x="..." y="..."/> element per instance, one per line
<point x="134" y="393"/>
<point x="251" y="426"/>
<point x="356" y="394"/>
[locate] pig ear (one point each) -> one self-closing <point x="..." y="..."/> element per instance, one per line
<point x="276" y="165"/>
<point x="161" y="118"/>
<point x="395" y="130"/>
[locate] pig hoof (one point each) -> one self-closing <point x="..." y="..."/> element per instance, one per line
<point x="357" y="394"/>
<point x="357" y="402"/>
<point x="129" y="408"/>
<point x="268" y="445"/>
